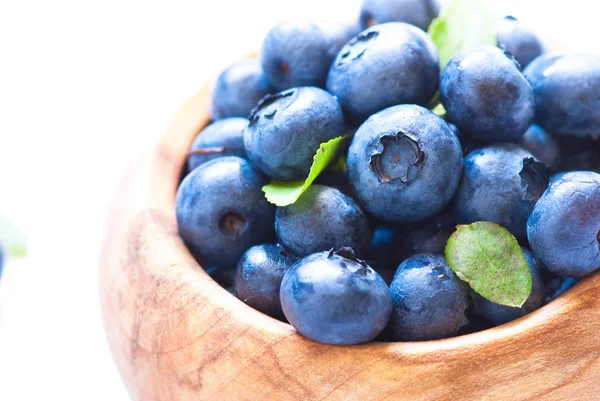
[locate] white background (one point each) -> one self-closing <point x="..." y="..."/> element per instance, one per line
<point x="85" y="87"/>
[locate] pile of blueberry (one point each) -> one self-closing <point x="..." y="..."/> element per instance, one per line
<point x="360" y="255"/>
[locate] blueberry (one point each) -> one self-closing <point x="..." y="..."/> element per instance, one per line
<point x="416" y="12"/>
<point x="558" y="286"/>
<point x="579" y="153"/>
<point x="238" y="89"/>
<point x="286" y="130"/>
<point x="429" y="236"/>
<point x="473" y="322"/>
<point x="564" y="228"/>
<point x="566" y="89"/>
<point x="339" y="34"/>
<point x="500" y="183"/>
<point x="386" y="65"/>
<point x="323" y="218"/>
<point x="221" y="138"/>
<point x="404" y="164"/>
<point x="385" y="251"/>
<point x="336" y="179"/>
<point x="486" y="96"/>
<point x="223" y="276"/>
<point x="499" y="314"/>
<point x="468" y="145"/>
<point x="542" y="145"/>
<point x="334" y="298"/>
<point x="518" y="40"/>
<point x="454" y="129"/>
<point x="474" y="325"/>
<point x="300" y="52"/>
<point x="258" y="277"/>
<point x="222" y="211"/>
<point x="429" y="300"/>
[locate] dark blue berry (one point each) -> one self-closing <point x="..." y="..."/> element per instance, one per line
<point x="542" y="145"/>
<point x="566" y="89"/>
<point x="500" y="183"/>
<point x="404" y="164"/>
<point x="518" y="40"/>
<point x="564" y="228"/>
<point x="486" y="95"/>
<point x="287" y="129"/>
<point x="258" y="277"/>
<point x="429" y="300"/>
<point x="323" y="218"/>
<point x="386" y="65"/>
<point x="238" y="89"/>
<point x="222" y="211"/>
<point x="334" y="298"/>
<point x="416" y="12"/>
<point x="300" y="52"/>
<point x="221" y="138"/>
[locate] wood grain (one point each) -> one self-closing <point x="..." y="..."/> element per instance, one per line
<point x="176" y="335"/>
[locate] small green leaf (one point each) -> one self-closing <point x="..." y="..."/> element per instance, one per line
<point x="464" y="23"/>
<point x="12" y="239"/>
<point x="340" y="165"/>
<point x="489" y="258"/>
<point x="284" y="193"/>
<point x="439" y="110"/>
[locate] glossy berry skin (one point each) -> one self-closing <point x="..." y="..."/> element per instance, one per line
<point x="322" y="219"/>
<point x="566" y="91"/>
<point x="334" y="298"/>
<point x="563" y="229"/>
<point x="499" y="314"/>
<point x="258" y="277"/>
<point x="500" y="183"/>
<point x="429" y="300"/>
<point x="238" y="89"/>
<point x="286" y="130"/>
<point x="222" y="211"/>
<point x="416" y="12"/>
<point x="299" y="52"/>
<point x="518" y="40"/>
<point x="386" y="65"/>
<point x="541" y="145"/>
<point x="404" y="164"/>
<point x="221" y="138"/>
<point x="486" y="96"/>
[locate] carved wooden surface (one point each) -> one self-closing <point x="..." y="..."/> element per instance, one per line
<point x="176" y="335"/>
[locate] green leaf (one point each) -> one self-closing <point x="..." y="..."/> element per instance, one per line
<point x="439" y="110"/>
<point x="284" y="193"/>
<point x="340" y="165"/>
<point x="464" y="23"/>
<point x="12" y="239"/>
<point x="489" y="258"/>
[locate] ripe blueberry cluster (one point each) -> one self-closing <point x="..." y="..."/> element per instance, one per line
<point x="360" y="255"/>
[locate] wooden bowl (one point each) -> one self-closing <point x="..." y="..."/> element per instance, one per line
<point x="176" y="335"/>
